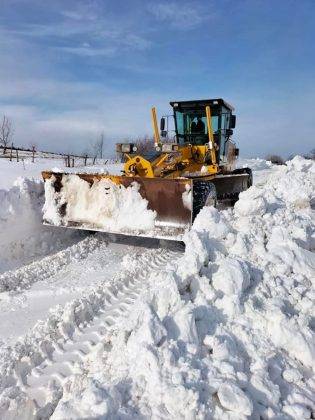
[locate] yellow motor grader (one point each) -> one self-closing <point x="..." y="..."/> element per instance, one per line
<point x="189" y="167"/>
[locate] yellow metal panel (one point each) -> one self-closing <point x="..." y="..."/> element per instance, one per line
<point x="157" y="140"/>
<point x="210" y="134"/>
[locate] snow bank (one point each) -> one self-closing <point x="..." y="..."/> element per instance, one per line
<point x="228" y="330"/>
<point x="255" y="164"/>
<point x="103" y="205"/>
<point x="22" y="235"/>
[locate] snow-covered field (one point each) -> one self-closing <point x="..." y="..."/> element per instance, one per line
<point x="225" y="330"/>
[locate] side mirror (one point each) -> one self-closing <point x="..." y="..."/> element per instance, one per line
<point x="162" y="124"/>
<point x="229" y="132"/>
<point x="232" y="121"/>
<point x="163" y="133"/>
<point x="237" y="152"/>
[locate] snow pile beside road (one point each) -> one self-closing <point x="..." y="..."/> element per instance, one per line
<point x="22" y="235"/>
<point x="228" y="330"/>
<point x="255" y="164"/>
<point x="103" y="205"/>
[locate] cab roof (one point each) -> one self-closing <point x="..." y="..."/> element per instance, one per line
<point x="201" y="103"/>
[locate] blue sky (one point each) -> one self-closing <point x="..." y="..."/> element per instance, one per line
<point x="73" y="69"/>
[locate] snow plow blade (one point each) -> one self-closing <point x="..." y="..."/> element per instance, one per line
<point x="97" y="202"/>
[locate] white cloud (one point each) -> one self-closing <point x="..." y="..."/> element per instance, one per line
<point x="180" y="15"/>
<point x="89" y="51"/>
<point x="86" y="34"/>
<point x="72" y="115"/>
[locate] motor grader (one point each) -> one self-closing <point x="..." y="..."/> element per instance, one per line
<point x="189" y="167"/>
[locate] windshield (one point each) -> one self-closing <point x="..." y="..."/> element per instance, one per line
<point x="192" y="126"/>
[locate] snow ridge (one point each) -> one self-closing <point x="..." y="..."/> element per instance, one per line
<point x="24" y="277"/>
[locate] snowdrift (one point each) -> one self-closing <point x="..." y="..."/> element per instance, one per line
<point x="224" y="332"/>
<point x="23" y="238"/>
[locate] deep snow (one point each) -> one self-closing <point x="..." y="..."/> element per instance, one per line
<point x="224" y="331"/>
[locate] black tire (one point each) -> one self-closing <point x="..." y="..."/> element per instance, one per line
<point x="204" y="194"/>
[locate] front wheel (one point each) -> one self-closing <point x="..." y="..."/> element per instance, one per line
<point x="204" y="194"/>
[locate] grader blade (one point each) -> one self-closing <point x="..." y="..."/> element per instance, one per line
<point x="112" y="204"/>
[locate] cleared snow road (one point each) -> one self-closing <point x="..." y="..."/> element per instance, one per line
<point x="55" y="280"/>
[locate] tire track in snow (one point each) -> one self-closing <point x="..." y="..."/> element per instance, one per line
<point x="24" y="277"/>
<point x="82" y="325"/>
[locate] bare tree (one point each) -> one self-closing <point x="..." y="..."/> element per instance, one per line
<point x="101" y="145"/>
<point x="144" y="144"/>
<point x="97" y="148"/>
<point x="6" y="132"/>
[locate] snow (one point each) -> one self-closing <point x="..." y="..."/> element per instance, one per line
<point x="103" y="205"/>
<point x="22" y="236"/>
<point x="225" y="330"/>
<point x="25" y="168"/>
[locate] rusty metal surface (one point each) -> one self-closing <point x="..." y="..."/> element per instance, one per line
<point x="165" y="196"/>
<point x="229" y="185"/>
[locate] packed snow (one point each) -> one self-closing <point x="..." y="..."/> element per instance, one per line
<point x="225" y="330"/>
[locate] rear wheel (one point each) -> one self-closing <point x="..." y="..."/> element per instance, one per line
<point x="204" y="194"/>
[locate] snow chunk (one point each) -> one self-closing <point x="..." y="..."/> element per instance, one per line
<point x="234" y="399"/>
<point x="251" y="203"/>
<point x="147" y="329"/>
<point x="187" y="198"/>
<point x="185" y="325"/>
<point x="210" y="220"/>
<point x="232" y="277"/>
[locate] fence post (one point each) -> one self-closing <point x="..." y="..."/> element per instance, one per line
<point x="72" y="162"/>
<point x="33" y="154"/>
<point x="85" y="160"/>
<point x="11" y="152"/>
<point x="17" y="155"/>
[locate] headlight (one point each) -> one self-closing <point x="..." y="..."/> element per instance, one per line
<point x="169" y="147"/>
<point x="158" y="148"/>
<point x="126" y="148"/>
